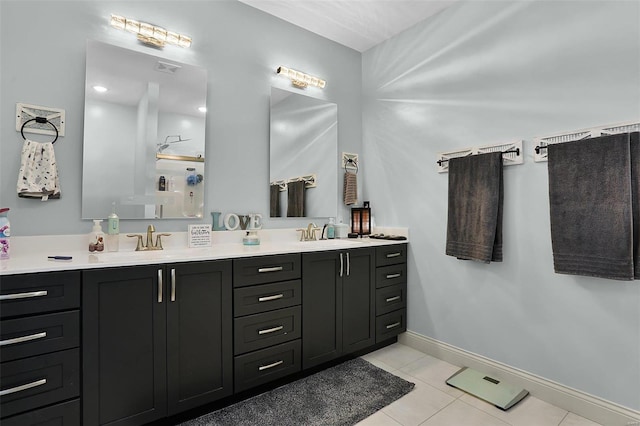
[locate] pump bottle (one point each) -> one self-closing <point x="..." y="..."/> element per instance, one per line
<point x="96" y="237"/>
<point x="113" y="230"/>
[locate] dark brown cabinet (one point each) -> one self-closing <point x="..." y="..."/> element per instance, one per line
<point x="156" y="340"/>
<point x="391" y="291"/>
<point x="338" y="315"/>
<point x="39" y="348"/>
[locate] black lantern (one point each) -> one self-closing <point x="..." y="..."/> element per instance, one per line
<point x="361" y="220"/>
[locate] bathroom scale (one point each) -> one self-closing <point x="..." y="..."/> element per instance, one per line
<point x="489" y="389"/>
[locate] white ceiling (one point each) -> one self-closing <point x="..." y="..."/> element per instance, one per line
<point x="358" y="24"/>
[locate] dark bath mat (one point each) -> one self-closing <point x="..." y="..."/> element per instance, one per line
<point x="341" y="395"/>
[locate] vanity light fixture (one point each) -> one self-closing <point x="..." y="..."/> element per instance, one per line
<point x="300" y="79"/>
<point x="150" y="34"/>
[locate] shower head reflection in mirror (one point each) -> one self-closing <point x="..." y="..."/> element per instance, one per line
<point x="304" y="142"/>
<point x="148" y="123"/>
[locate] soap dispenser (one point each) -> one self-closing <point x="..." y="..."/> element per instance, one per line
<point x="96" y="237"/>
<point x="331" y="229"/>
<point x="113" y="230"/>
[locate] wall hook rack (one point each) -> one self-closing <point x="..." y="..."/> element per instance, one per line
<point x="512" y="154"/>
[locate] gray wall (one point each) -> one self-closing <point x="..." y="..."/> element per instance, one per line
<point x="489" y="72"/>
<point x="42" y="53"/>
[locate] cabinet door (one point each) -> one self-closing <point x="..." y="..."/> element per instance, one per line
<point x="124" y="345"/>
<point x="199" y="338"/>
<point x="321" y="313"/>
<point x="358" y="300"/>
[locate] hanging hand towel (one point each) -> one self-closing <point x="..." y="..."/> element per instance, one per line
<point x="274" y="203"/>
<point x="474" y="224"/>
<point x="295" y="199"/>
<point x="635" y="200"/>
<point x="38" y="176"/>
<point x="590" y="197"/>
<point x="350" y="193"/>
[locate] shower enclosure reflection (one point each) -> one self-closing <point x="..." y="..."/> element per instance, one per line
<point x="303" y="147"/>
<point x="143" y="135"/>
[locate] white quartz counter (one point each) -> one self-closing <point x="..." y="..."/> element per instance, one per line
<point x="30" y="254"/>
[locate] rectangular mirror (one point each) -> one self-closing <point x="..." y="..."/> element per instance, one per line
<point x="303" y="147"/>
<point x="144" y="130"/>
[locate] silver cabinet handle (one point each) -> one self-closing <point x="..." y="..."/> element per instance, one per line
<point x="394" y="325"/>
<point x="159" y="285"/>
<point x="390" y="276"/>
<point x="268" y="298"/>
<point x="389" y="255"/>
<point x="173" y="285"/>
<point x="348" y="265"/>
<point x="271" y="330"/>
<point x="271" y="269"/>
<point x="23" y="339"/>
<point x="341" y="264"/>
<point x="23" y="387"/>
<point x="266" y="367"/>
<point x="23" y="295"/>
<point x="393" y="299"/>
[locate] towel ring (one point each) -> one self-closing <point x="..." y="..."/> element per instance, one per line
<point x="350" y="161"/>
<point x="39" y="120"/>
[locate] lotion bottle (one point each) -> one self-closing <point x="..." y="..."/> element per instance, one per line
<point x="96" y="237"/>
<point x="5" y="233"/>
<point x="331" y="229"/>
<point x="113" y="230"/>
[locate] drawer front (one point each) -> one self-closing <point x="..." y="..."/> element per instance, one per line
<point x="266" y="297"/>
<point x="65" y="414"/>
<point x="39" y="334"/>
<point x="257" y="368"/>
<point x="391" y="255"/>
<point x="266" y="269"/>
<point x="391" y="298"/>
<point x="391" y="275"/>
<point x="270" y="328"/>
<point x="390" y="325"/>
<point x="38" y="293"/>
<point x="37" y="381"/>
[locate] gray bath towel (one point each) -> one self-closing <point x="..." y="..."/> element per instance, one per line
<point x="635" y="200"/>
<point x="295" y="199"/>
<point x="590" y="201"/>
<point x="274" y="203"/>
<point x="474" y="225"/>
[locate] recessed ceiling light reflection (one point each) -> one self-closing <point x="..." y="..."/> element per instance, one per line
<point x="100" y="89"/>
<point x="202" y="109"/>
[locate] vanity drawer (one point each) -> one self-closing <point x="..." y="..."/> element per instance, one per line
<point x="65" y="414"/>
<point x="37" y="293"/>
<point x="270" y="328"/>
<point x="391" y="255"/>
<point x="391" y="298"/>
<point x="266" y="297"/>
<point x="39" y="334"/>
<point x="391" y="324"/>
<point x="391" y="275"/>
<point x="266" y="269"/>
<point x="37" y="381"/>
<point x="263" y="366"/>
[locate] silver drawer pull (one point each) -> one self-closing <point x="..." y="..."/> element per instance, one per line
<point x="266" y="367"/>
<point x="23" y="387"/>
<point x="390" y="276"/>
<point x="23" y="339"/>
<point x="268" y="298"/>
<point x="23" y="295"/>
<point x="159" y="285"/>
<point x="393" y="299"/>
<point x="271" y="330"/>
<point x="394" y="325"/>
<point x="389" y="255"/>
<point x="271" y="269"/>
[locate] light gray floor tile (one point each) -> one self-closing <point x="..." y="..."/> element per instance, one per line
<point x="528" y="412"/>
<point x="397" y="356"/>
<point x="418" y="405"/>
<point x="434" y="372"/>
<point x="459" y="413"/>
<point x="575" y="420"/>
<point x="378" y="419"/>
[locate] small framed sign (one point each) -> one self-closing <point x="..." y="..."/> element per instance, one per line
<point x="199" y="236"/>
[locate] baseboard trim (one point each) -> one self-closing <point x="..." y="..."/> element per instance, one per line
<point x="591" y="407"/>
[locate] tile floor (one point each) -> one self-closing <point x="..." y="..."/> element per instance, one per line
<point x="433" y="403"/>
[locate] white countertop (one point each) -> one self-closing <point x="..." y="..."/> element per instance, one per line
<point x="30" y="254"/>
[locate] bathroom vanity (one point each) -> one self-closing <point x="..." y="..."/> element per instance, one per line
<point x="165" y="332"/>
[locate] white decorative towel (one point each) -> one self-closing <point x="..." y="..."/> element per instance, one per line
<point x="38" y="176"/>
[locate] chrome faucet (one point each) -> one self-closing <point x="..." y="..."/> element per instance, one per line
<point x="149" y="246"/>
<point x="308" y="234"/>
